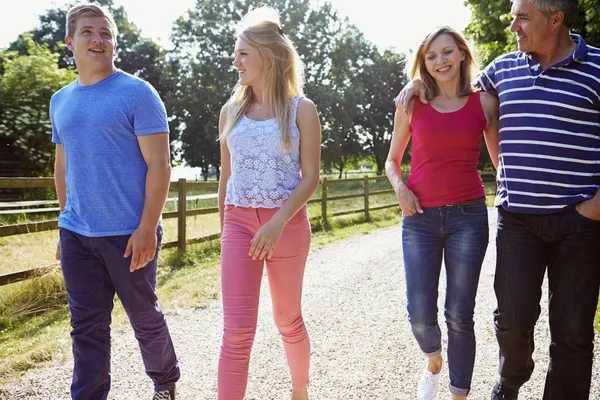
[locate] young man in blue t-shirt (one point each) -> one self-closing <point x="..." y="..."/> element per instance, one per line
<point x="112" y="176"/>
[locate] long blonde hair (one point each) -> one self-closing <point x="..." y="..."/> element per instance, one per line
<point x="282" y="76"/>
<point x="416" y="69"/>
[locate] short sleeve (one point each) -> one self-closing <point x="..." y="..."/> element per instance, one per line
<point x="486" y="80"/>
<point x="55" y="136"/>
<point x="149" y="113"/>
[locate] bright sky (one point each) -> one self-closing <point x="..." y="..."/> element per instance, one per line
<point x="388" y="23"/>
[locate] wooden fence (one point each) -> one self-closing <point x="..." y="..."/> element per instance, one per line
<point x="183" y="212"/>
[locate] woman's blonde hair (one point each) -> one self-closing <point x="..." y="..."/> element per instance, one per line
<point x="282" y="76"/>
<point x="468" y="67"/>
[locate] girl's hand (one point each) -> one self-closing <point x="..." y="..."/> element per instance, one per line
<point x="408" y="202"/>
<point x="265" y="240"/>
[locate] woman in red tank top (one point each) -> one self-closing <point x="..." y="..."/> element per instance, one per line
<point x="443" y="203"/>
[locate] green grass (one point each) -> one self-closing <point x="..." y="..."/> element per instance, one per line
<point x="34" y="318"/>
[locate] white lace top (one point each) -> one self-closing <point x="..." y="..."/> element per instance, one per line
<point x="263" y="172"/>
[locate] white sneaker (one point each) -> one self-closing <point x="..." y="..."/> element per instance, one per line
<point x="428" y="385"/>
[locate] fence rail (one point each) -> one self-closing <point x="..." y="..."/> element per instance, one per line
<point x="182" y="212"/>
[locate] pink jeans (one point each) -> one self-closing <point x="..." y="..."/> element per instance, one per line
<point x="240" y="284"/>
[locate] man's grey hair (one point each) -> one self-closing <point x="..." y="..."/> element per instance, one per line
<point x="549" y="7"/>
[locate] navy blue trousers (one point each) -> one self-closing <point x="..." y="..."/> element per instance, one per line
<point x="566" y="246"/>
<point x="94" y="269"/>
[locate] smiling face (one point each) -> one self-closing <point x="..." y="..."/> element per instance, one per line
<point x="443" y="58"/>
<point x="93" y="44"/>
<point x="248" y="63"/>
<point x="530" y="25"/>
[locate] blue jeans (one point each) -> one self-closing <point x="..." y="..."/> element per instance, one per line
<point x="566" y="245"/>
<point x="94" y="270"/>
<point x="458" y="235"/>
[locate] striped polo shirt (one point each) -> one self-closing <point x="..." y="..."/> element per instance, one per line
<point x="549" y="129"/>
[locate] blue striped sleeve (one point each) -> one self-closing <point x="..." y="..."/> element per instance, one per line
<point x="486" y="80"/>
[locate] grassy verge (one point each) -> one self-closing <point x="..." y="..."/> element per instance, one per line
<point x="34" y="325"/>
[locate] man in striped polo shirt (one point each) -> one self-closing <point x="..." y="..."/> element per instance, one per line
<point x="548" y="201"/>
<point x="548" y="197"/>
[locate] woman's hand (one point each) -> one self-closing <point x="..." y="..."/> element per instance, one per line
<point x="408" y="202"/>
<point x="265" y="240"/>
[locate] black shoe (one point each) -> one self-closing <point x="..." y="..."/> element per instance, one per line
<point x="165" y="395"/>
<point x="500" y="392"/>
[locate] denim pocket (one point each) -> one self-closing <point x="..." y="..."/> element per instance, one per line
<point x="475" y="209"/>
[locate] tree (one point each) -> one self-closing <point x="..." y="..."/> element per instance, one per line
<point x="380" y="81"/>
<point x="202" y="62"/>
<point x="341" y="147"/>
<point x="490" y="29"/>
<point x="25" y="91"/>
<point x="589" y="18"/>
<point x="339" y="106"/>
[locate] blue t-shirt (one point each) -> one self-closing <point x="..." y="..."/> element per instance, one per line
<point x="97" y="126"/>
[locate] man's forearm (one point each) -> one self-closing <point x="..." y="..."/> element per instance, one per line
<point x="157" y="189"/>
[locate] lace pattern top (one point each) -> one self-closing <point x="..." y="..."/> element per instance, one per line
<point x="264" y="173"/>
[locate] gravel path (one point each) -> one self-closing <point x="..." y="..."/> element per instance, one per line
<point x="362" y="347"/>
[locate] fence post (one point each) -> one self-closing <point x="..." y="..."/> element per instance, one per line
<point x="324" y="201"/>
<point x="366" y="192"/>
<point x="181" y="214"/>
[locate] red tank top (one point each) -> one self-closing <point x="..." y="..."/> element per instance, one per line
<point x="445" y="152"/>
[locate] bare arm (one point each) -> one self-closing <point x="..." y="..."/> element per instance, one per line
<point x="225" y="167"/>
<point x="60" y="182"/>
<point x="142" y="244"/>
<point x="307" y="119"/>
<point x="490" y="105"/>
<point x="155" y="150"/>
<point x="408" y="202"/>
<point x="60" y="179"/>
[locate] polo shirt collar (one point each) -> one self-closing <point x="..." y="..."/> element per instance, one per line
<point x="582" y="48"/>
